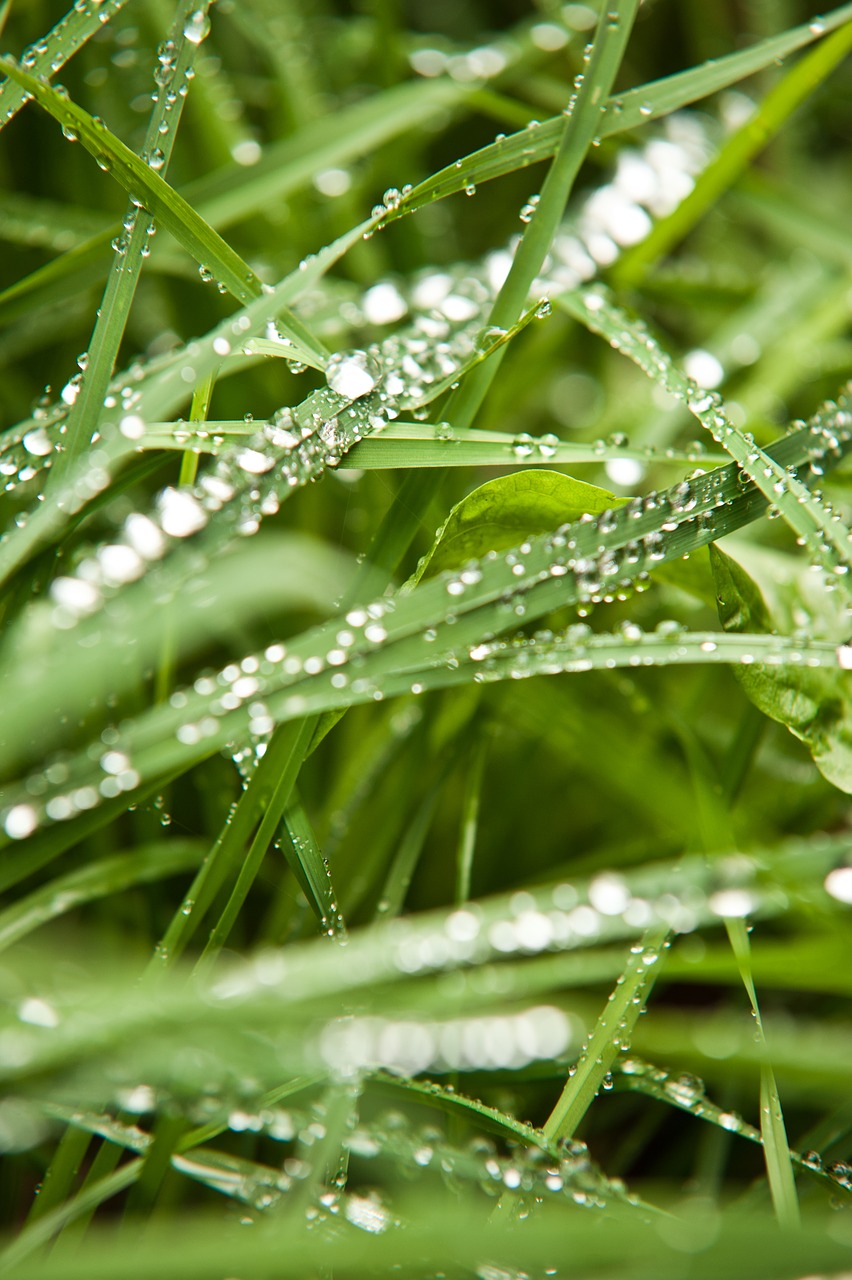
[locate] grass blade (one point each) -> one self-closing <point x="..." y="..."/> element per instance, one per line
<point x="48" y="56"/>
<point x="736" y="154"/>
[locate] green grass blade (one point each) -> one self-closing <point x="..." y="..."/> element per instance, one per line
<point x="107" y="876"/>
<point x="779" y="1166"/>
<point x="470" y="817"/>
<point x="143" y="183"/>
<point x="726" y="167"/>
<point x="34" y="1237"/>
<point x="579" y="128"/>
<point x="289" y="745"/>
<point x="416" y="445"/>
<point x="311" y="869"/>
<point x="809" y="517"/>
<point x="611" y="1034"/>
<point x="49" y="55"/>
<point x="262" y="803"/>
<point x="626" y="111"/>
<point x="86" y="411"/>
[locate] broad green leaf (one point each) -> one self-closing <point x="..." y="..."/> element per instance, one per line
<point x="502" y="512"/>
<point x="814" y="704"/>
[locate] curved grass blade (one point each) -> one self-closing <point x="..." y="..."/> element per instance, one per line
<point x="612" y="1029"/>
<point x="737" y="152"/>
<point x="827" y="539"/>
<point x="627" y="111"/>
<point x="170" y="209"/>
<point x="311" y="869"/>
<point x="687" y="1093"/>
<point x="779" y="1167"/>
<point x="144" y="184"/>
<point x="290" y="748"/>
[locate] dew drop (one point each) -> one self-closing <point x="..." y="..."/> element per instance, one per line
<point x="196" y="27"/>
<point x="353" y="374"/>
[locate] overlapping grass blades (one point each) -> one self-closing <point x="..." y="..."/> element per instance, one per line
<point x="495" y="866"/>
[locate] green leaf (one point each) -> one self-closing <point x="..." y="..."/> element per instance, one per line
<point x="814" y="703"/>
<point x="502" y="512"/>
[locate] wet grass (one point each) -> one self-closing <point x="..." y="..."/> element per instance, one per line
<point x="470" y="902"/>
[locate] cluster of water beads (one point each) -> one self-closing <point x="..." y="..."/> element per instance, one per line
<point x="442" y="303"/>
<point x="689" y="1093"/>
<point x="532" y="1170"/>
<point x="48" y="54"/>
<point x="181" y="515"/>
<point x="598" y="558"/>
<point x="294" y="448"/>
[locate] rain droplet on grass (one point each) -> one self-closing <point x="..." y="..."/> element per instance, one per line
<point x="196" y="27"/>
<point x="353" y="374"/>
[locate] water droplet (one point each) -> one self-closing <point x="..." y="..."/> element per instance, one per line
<point x="528" y="210"/>
<point x="196" y="27"/>
<point x="353" y="374"/>
<point x="20" y="821"/>
<point x="180" y="513"/>
<point x="838" y="883"/>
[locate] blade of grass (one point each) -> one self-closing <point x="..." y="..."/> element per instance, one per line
<point x="611" y="1034"/>
<point x="470" y="817"/>
<point x="578" y="129"/>
<point x="733" y="159"/>
<point x="85" y="415"/>
<point x="49" y="55"/>
<point x="807" y="515"/>
<point x="779" y="1167"/>
<point x="580" y="126"/>
<point x="266" y="795"/>
<point x="145" y="185"/>
<point x="39" y="1233"/>
<point x="97" y="880"/>
<point x="305" y="859"/>
<point x="199" y="409"/>
<point x="627" y="111"/>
